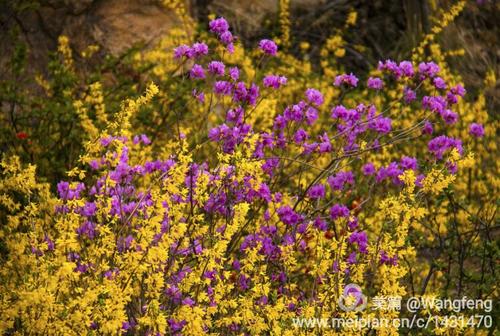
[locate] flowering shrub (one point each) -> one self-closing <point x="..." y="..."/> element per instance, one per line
<point x="270" y="190"/>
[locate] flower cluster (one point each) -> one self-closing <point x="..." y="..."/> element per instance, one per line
<point x="264" y="216"/>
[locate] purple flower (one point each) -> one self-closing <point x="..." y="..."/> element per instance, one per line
<point x="89" y="209"/>
<point x="391" y="171"/>
<point x="439" y="83"/>
<point x="217" y="68"/>
<point x="340" y="112"/>
<point x="218" y="26"/>
<point x="406" y="68"/>
<point x="409" y="95"/>
<point x="352" y="258"/>
<point x="262" y="301"/>
<point x="325" y="146"/>
<point x="240" y="92"/>
<point x="50" y="242"/>
<point x="353" y="223"/>
<point x="226" y="37"/>
<point x="264" y="192"/>
<point x="288" y="216"/>
<point x="442" y="143"/>
<point x="427" y="128"/>
<point x="314" y="97"/>
<point x="300" y="136"/>
<point x="279" y="122"/>
<point x="368" y="169"/>
<point x="449" y="116"/>
<point x="452" y="167"/>
<point x="419" y="179"/>
<point x="141" y="138"/>
<point x="316" y="191"/>
<point x="223" y="88"/>
<point x="384" y="259"/>
<point x="338" y="211"/>
<point x="429" y="69"/>
<point x="268" y="47"/>
<point x="274" y="81"/>
<point x="253" y="94"/>
<point x="111" y="273"/>
<point x="320" y="224"/>
<point x="124" y="243"/>
<point x="63" y="189"/>
<point x="269" y="166"/>
<point x="380" y="125"/>
<point x="182" y="51"/>
<point x="435" y="104"/>
<point x="67" y="193"/>
<point x="82" y="268"/>
<point x="210" y="274"/>
<point x="451" y="98"/>
<point x="127" y="325"/>
<point x="391" y="67"/>
<point x="288" y="239"/>
<point x="244" y="282"/>
<point x="235" y="115"/>
<point x="476" y="130"/>
<point x="94" y="164"/>
<point x="198" y="49"/>
<point x="197" y="246"/>
<point x="176" y="326"/>
<point x="309" y="148"/>
<point x="73" y="256"/>
<point x="200" y="96"/>
<point x="174" y="293"/>
<point x="87" y="229"/>
<point x="230" y="48"/>
<point x="375" y="83"/>
<point x="197" y="72"/>
<point x="349" y="80"/>
<point x="409" y="163"/>
<point x="36" y="251"/>
<point x="311" y="115"/>
<point x="458" y="90"/>
<point x="361" y="240"/>
<point x="295" y="112"/>
<point x="267" y="215"/>
<point x="188" y="302"/>
<point x="338" y="181"/>
<point x="234" y="73"/>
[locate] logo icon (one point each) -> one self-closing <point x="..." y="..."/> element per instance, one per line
<point x="352" y="299"/>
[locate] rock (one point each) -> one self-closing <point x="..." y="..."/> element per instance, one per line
<point x="119" y="24"/>
<point x="115" y="25"/>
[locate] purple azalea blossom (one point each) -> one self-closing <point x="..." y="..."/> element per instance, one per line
<point x="338" y="211"/>
<point x="274" y="81"/>
<point x="314" y="97"/>
<point x="316" y="191"/>
<point x="216" y="68"/>
<point x="476" y="130"/>
<point x="375" y="83"/>
<point x="268" y="47"/>
<point x="218" y="25"/>
<point x="348" y="80"/>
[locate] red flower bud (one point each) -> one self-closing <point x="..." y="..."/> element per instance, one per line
<point x="22" y="135"/>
